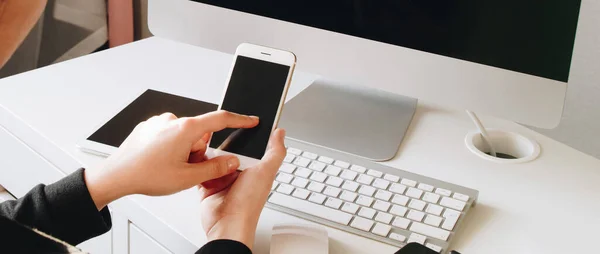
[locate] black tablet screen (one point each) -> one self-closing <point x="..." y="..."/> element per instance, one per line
<point x="149" y="104"/>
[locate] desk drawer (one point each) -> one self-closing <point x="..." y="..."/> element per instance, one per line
<point x="142" y="243"/>
<point x="21" y="168"/>
<point x="4" y="195"/>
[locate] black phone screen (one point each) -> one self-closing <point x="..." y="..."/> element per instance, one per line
<point x="255" y="88"/>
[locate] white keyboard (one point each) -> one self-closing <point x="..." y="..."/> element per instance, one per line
<point x="368" y="199"/>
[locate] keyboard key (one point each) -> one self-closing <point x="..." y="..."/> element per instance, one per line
<point x="417" y="204"/>
<point x="301" y="161"/>
<point x="398" y="237"/>
<point x="391" y="178"/>
<point x="401" y="200"/>
<point x="274" y="185"/>
<point x="381" y="229"/>
<point x="433" y="220"/>
<point x="381" y="205"/>
<point x="309" y="155"/>
<point x="316" y="187"/>
<point x="326" y="160"/>
<point x="408" y="182"/>
<point x="365" y="179"/>
<point x="317" y="198"/>
<point x="342" y="164"/>
<point x="318" y="177"/>
<point x="288" y="168"/>
<point x="374" y="173"/>
<point x="301" y="193"/>
<point x="333" y="203"/>
<point x="450" y="221"/>
<point x="311" y="208"/>
<point x="452" y="203"/>
<point x="348" y="196"/>
<point x="300" y="182"/>
<point x="331" y="191"/>
<point x="381" y="184"/>
<point x="461" y="197"/>
<point x="285" y="189"/>
<point x="434" y="247"/>
<point x="366" y="212"/>
<point x="415" y="215"/>
<point x="397" y="188"/>
<point x="348" y="174"/>
<point x="425" y="187"/>
<point x="414" y="193"/>
<point x="383" y="195"/>
<point x="443" y="192"/>
<point x="430" y="231"/>
<point x="434" y="209"/>
<point x="401" y="223"/>
<point x="451" y="213"/>
<point x="398" y="210"/>
<point x="302" y="172"/>
<point x="350" y="208"/>
<point x="334" y="181"/>
<point x="359" y="169"/>
<point x="333" y="170"/>
<point x="366" y="190"/>
<point x="294" y="151"/>
<point x="416" y="238"/>
<point x="384" y="218"/>
<point x="317" y="166"/>
<point x="362" y="224"/>
<point x="284" y="178"/>
<point x="289" y="158"/>
<point x="351" y="186"/>
<point x="431" y="197"/>
<point x="364" y="201"/>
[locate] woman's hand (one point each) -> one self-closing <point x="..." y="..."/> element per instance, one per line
<point x="231" y="205"/>
<point x="155" y="158"/>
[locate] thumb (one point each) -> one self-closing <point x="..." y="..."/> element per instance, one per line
<point x="214" y="168"/>
<point x="273" y="158"/>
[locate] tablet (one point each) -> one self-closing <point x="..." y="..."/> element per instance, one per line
<point x="106" y="139"/>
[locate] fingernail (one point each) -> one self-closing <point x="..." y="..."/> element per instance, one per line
<point x="254" y="117"/>
<point x="233" y="163"/>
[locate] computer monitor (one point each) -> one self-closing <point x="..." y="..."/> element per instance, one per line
<point x="510" y="58"/>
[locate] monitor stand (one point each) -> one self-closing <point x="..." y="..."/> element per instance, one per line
<point x="357" y="120"/>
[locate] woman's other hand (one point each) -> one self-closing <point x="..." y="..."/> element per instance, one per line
<point x="231" y="205"/>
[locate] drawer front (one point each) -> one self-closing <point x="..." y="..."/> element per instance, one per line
<point x="4" y="195"/>
<point x="142" y="243"/>
<point x="21" y="168"/>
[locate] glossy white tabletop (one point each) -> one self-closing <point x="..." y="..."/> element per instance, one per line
<point x="550" y="205"/>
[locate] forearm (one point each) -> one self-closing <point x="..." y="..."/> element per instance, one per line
<point x="17" y="18"/>
<point x="64" y="210"/>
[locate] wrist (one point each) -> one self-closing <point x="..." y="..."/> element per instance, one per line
<point x="241" y="230"/>
<point x="103" y="188"/>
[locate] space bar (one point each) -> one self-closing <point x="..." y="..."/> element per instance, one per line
<point x="310" y="208"/>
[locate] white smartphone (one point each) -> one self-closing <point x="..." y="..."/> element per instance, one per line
<point x="258" y="83"/>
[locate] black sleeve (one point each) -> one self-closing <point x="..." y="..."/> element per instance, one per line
<point x="63" y="209"/>
<point x="224" y="247"/>
<point x="415" y="248"/>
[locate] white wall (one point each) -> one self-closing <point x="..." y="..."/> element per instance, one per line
<point x="580" y="126"/>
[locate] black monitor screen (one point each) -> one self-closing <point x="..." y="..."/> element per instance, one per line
<point x="529" y="36"/>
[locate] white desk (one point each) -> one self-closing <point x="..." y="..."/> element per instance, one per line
<point x="547" y="206"/>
